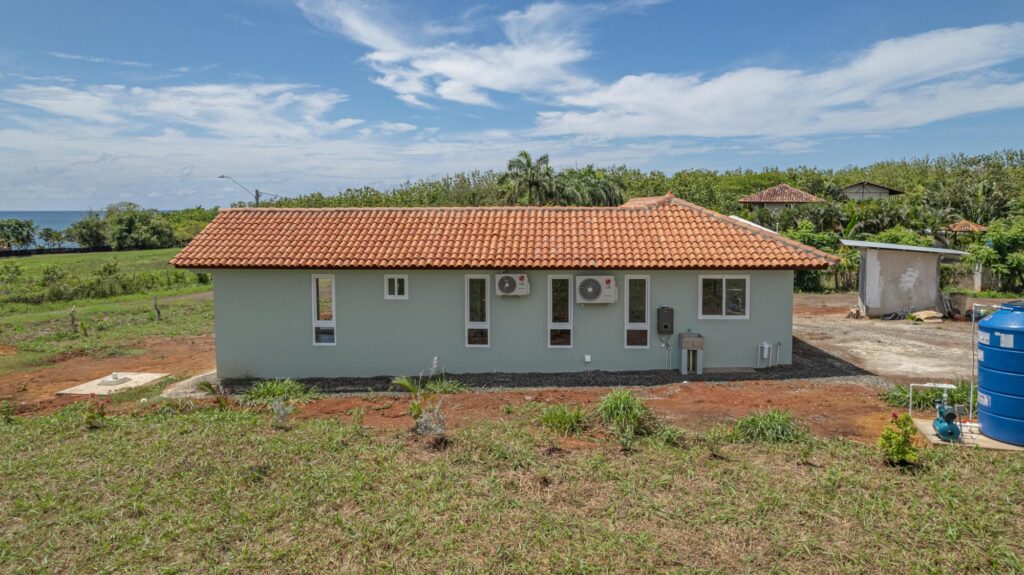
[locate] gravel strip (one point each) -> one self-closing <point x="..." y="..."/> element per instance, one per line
<point x="810" y="364"/>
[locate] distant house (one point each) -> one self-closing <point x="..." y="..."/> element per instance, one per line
<point x="865" y="190"/>
<point x="779" y="197"/>
<point x="354" y="292"/>
<point x="966" y="227"/>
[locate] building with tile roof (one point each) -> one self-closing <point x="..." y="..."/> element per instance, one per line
<point x="356" y="292"/>
<point x="779" y="197"/>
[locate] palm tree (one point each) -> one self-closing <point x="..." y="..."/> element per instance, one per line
<point x="529" y="182"/>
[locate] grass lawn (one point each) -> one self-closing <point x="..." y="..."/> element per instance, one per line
<point x="204" y="491"/>
<point x="137" y="260"/>
<point x="40" y="333"/>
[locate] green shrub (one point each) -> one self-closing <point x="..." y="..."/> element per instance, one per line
<point x="444" y="384"/>
<point x="564" y="420"/>
<point x="772" y="426"/>
<point x="268" y="391"/>
<point x="669" y="435"/>
<point x="6" y="412"/>
<point x="924" y="398"/>
<point x="897" y="444"/>
<point x="627" y="416"/>
<point x="94" y="413"/>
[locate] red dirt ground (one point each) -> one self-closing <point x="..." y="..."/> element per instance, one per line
<point x="35" y="391"/>
<point x="831" y="409"/>
<point x="834" y="410"/>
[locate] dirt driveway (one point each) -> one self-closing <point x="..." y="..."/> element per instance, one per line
<point x="899" y="351"/>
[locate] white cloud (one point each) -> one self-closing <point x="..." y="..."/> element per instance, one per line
<point x="897" y="83"/>
<point x="223" y="110"/>
<point x="395" y="127"/>
<point x="99" y="60"/>
<point x="541" y="45"/>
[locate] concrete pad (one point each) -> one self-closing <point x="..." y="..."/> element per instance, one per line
<point x="971" y="436"/>
<point x="189" y="388"/>
<point x="106" y="385"/>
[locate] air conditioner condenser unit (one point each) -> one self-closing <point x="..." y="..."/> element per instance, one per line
<point x="596" y="289"/>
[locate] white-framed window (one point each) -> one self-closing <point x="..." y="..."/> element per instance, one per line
<point x="478" y="311"/>
<point x="559" y="311"/>
<point x="638" y="312"/>
<point x="396" y="286"/>
<point x="724" y="297"/>
<point x="324" y="317"/>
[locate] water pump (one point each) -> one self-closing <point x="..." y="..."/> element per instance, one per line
<point x="945" y="423"/>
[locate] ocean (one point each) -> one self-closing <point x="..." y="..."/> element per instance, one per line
<point x="58" y="220"/>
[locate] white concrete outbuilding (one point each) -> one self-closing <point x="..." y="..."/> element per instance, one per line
<point x="896" y="277"/>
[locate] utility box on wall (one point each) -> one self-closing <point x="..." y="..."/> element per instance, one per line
<point x="666" y="320"/>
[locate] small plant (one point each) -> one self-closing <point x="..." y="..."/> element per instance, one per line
<point x="282" y="414"/>
<point x="268" y="391"/>
<point x="564" y="420"/>
<point x="6" y="412"/>
<point x="627" y="416"/>
<point x="95" y="412"/>
<point x="715" y="438"/>
<point x="897" y="444"/>
<point x="218" y="392"/>
<point x="772" y="426"/>
<point x="423" y="408"/>
<point x="925" y="398"/>
<point x="669" y="436"/>
<point x="444" y="384"/>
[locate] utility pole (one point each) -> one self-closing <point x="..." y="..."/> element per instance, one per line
<point x="255" y="194"/>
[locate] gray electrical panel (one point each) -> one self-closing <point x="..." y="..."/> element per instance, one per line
<point x="666" y="320"/>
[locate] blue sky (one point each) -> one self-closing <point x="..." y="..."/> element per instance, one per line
<point x="106" y="101"/>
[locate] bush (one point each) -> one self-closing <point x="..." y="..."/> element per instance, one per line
<point x="627" y="416"/>
<point x="772" y="426"/>
<point x="925" y="398"/>
<point x="268" y="391"/>
<point x="564" y="420"/>
<point x="897" y="444"/>
<point x="6" y="412"/>
<point x="10" y="271"/>
<point x="444" y="384"/>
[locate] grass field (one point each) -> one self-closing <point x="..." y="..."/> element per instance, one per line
<point x="187" y="491"/>
<point x="39" y="333"/>
<point x="139" y="260"/>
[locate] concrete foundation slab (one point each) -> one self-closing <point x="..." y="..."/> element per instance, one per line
<point x="972" y="438"/>
<point x="113" y="383"/>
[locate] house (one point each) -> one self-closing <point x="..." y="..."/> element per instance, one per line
<point x="865" y="190"/>
<point x="899" y="278"/>
<point x="382" y="291"/>
<point x="779" y="197"/>
<point x="966" y="227"/>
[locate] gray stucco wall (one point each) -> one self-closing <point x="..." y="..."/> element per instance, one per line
<point x="892" y="280"/>
<point x="264" y="325"/>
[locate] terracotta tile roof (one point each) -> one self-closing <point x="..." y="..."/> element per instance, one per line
<point x="780" y="194"/>
<point x="965" y="226"/>
<point x="658" y="233"/>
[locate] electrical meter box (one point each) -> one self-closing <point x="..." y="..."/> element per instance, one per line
<point x="666" y="320"/>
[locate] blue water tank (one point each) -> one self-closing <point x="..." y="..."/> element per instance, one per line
<point x="1001" y="374"/>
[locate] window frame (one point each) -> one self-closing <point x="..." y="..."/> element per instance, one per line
<point x="552" y="325"/>
<point x="722" y="278"/>
<point x="319" y="323"/>
<point x="487" y="311"/>
<point x="647" y="313"/>
<point x="405" y="280"/>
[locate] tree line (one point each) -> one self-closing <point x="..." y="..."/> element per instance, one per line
<point x="986" y="189"/>
<point x="122" y="226"/>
